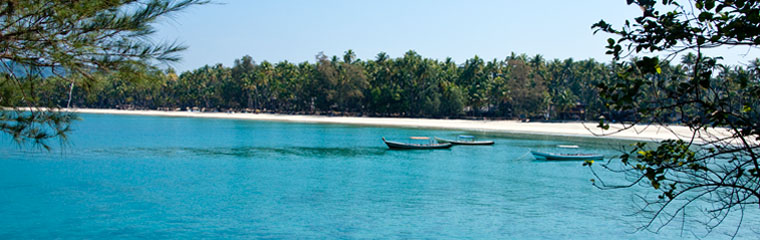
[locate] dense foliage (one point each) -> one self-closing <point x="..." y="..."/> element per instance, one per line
<point x="713" y="174"/>
<point x="516" y="87"/>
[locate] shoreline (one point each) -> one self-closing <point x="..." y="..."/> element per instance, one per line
<point x="568" y="129"/>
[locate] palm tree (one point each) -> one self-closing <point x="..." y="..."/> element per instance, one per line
<point x="349" y="57"/>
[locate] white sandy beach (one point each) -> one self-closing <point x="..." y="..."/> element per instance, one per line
<point x="576" y="129"/>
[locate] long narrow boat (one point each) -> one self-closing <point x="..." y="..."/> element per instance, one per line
<point x="463" y="140"/>
<point x="567" y="156"/>
<point x="409" y="146"/>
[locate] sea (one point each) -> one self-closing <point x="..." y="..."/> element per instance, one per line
<point x="146" y="177"/>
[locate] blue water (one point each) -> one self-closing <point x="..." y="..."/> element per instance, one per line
<point x="158" y="177"/>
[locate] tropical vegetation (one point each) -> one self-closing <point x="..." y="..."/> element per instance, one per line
<point x="517" y="87"/>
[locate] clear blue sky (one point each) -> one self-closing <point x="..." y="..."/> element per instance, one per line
<point x="297" y="30"/>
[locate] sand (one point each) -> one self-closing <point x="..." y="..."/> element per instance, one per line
<point x="574" y="129"/>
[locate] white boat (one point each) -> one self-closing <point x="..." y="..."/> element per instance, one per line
<point x="567" y="156"/>
<point x="464" y="140"/>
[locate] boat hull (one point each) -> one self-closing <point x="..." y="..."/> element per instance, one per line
<point x="566" y="157"/>
<point x="411" y="146"/>
<point x="455" y="142"/>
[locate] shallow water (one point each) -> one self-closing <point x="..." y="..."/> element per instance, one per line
<point x="159" y="177"/>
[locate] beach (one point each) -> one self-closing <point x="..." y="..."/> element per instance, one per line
<point x="573" y="129"/>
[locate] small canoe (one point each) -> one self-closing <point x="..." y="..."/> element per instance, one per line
<point x="566" y="156"/>
<point x="409" y="146"/>
<point x="463" y="140"/>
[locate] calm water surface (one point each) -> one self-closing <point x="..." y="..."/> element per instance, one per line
<point x="158" y="177"/>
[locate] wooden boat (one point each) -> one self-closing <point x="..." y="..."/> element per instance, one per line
<point x="464" y="140"/>
<point x="566" y="156"/>
<point x="429" y="145"/>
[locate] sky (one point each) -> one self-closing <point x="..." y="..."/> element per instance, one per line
<point x="297" y="31"/>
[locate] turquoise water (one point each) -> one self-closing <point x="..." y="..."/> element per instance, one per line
<point x="157" y="178"/>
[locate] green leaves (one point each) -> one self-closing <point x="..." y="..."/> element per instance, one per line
<point x="649" y="65"/>
<point x="36" y="127"/>
<point x="704" y="4"/>
<point x="603" y="125"/>
<point x="719" y="104"/>
<point x="709" y="4"/>
<point x="654" y="164"/>
<point x="705" y="16"/>
<point x="82" y="39"/>
<point x="746" y="108"/>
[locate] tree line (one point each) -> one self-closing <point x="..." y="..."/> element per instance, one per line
<point x="520" y="86"/>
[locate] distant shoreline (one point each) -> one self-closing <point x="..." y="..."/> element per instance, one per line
<point x="572" y="129"/>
